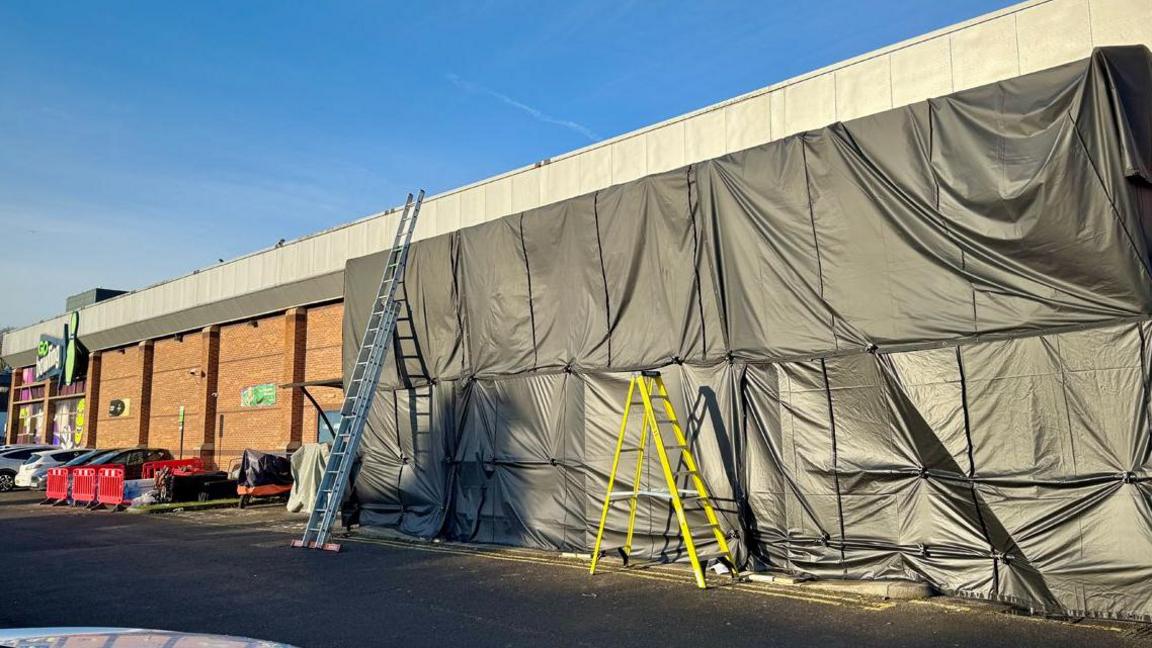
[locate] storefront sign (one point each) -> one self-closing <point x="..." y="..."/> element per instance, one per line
<point x="49" y="357"/>
<point x="258" y="396"/>
<point x="75" y="355"/>
<point x="63" y="357"/>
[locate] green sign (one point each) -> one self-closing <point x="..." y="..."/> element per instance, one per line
<point x="258" y="396"/>
<point x="65" y="357"/>
<point x="75" y="355"/>
<point x="49" y="357"/>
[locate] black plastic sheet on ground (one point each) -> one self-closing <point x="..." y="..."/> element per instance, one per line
<point x="913" y="345"/>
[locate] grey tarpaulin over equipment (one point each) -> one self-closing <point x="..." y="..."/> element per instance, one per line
<point x="911" y="345"/>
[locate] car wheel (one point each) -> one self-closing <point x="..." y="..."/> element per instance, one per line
<point x="7" y="480"/>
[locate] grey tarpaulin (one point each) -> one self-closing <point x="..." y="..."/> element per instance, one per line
<point x="913" y="345"/>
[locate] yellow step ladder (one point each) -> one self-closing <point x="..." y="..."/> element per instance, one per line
<point x="650" y="386"/>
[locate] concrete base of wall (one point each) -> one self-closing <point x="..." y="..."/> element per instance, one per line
<point x="901" y="590"/>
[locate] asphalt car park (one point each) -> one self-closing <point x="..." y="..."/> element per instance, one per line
<point x="230" y="571"/>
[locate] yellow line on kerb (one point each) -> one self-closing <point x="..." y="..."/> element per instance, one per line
<point x="825" y="598"/>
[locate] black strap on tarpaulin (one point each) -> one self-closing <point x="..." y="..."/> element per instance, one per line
<point x="835" y="459"/>
<point x="603" y="274"/>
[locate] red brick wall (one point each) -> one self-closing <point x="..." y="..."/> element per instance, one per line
<point x="249" y="355"/>
<point x="176" y="381"/>
<point x="322" y="361"/>
<point x="120" y="378"/>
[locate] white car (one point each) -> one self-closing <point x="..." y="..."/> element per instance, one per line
<point x="32" y="472"/>
<point x="11" y="458"/>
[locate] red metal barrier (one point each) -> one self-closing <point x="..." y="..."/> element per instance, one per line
<point x="56" y="490"/>
<point x="149" y="470"/>
<point x="111" y="485"/>
<point x="84" y="482"/>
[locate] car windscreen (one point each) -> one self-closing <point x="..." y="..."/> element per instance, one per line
<point x="86" y="457"/>
<point x="102" y="458"/>
<point x="59" y="456"/>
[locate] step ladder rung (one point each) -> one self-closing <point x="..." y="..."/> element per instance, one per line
<point x="662" y="494"/>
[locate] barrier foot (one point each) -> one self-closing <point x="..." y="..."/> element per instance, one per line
<point x="48" y="501"/>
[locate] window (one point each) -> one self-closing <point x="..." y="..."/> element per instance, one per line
<point x="19" y="455"/>
<point x="30" y="427"/>
<point x="323" y="435"/>
<point x="67" y="425"/>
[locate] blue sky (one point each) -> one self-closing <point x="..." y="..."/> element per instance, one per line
<point x="140" y="140"/>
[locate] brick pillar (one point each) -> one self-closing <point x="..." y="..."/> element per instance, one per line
<point x="13" y="419"/>
<point x="50" y="390"/>
<point x="145" y="412"/>
<point x="92" y="399"/>
<point x="295" y="343"/>
<point x="209" y="377"/>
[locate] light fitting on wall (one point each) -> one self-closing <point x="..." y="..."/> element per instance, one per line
<point x="254" y="323"/>
<point x="179" y="337"/>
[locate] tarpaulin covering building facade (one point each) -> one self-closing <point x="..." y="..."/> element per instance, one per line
<point x="911" y="345"/>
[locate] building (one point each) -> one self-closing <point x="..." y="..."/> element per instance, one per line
<point x="215" y="357"/>
<point x="197" y="332"/>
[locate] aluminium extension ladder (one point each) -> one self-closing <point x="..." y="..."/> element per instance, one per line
<point x="650" y="386"/>
<point x="365" y="374"/>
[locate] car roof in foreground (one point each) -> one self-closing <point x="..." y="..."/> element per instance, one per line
<point x="61" y="637"/>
